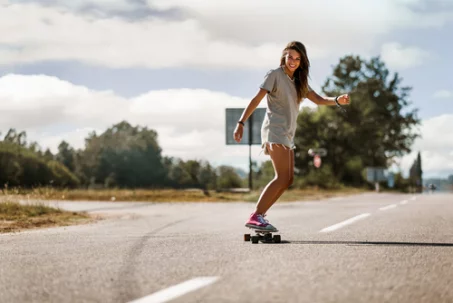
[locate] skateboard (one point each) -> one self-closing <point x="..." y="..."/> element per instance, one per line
<point x="263" y="236"/>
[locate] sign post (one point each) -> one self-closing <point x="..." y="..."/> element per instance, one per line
<point x="375" y="175"/>
<point x="317" y="161"/>
<point x="252" y="131"/>
<point x="317" y="153"/>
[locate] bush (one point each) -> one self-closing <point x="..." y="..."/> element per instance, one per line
<point x="322" y="177"/>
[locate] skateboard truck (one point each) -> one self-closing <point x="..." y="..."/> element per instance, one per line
<point x="264" y="236"/>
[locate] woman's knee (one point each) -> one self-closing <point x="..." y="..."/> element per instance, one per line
<point x="284" y="181"/>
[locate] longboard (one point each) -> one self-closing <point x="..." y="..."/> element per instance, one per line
<point x="264" y="236"/>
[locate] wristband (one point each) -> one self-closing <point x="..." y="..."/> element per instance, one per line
<point x="240" y="122"/>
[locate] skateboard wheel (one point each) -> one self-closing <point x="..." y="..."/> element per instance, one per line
<point x="277" y="239"/>
<point x="255" y="239"/>
<point x="247" y="237"/>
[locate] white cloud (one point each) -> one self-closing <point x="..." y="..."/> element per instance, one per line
<point x="227" y="34"/>
<point x="190" y="123"/>
<point x="443" y="94"/>
<point x="399" y="57"/>
<point x="47" y="101"/>
<point x="435" y="145"/>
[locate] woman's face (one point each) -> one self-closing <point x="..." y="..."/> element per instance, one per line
<point x="292" y="60"/>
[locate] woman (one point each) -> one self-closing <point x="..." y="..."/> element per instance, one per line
<point x="285" y="87"/>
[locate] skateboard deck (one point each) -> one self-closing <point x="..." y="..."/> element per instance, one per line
<point x="264" y="236"/>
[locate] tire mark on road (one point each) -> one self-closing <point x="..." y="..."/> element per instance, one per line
<point x="127" y="271"/>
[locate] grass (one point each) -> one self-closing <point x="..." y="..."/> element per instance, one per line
<point x="15" y="216"/>
<point x="172" y="195"/>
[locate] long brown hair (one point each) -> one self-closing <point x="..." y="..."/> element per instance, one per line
<point x="302" y="72"/>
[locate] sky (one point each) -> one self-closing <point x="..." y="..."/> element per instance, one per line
<point x="68" y="68"/>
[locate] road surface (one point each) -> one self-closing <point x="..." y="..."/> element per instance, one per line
<point x="363" y="248"/>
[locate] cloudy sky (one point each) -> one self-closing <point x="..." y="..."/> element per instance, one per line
<point x="70" y="67"/>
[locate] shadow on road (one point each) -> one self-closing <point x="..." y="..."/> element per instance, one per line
<point x="382" y="243"/>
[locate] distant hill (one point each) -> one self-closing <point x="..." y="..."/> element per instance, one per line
<point x="441" y="184"/>
<point x="242" y="173"/>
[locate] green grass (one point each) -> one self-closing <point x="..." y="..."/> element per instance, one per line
<point x="15" y="216"/>
<point x="172" y="195"/>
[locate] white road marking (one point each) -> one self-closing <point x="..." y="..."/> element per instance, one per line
<point x="403" y="202"/>
<point x="344" y="223"/>
<point x="413" y="198"/>
<point x="388" y="207"/>
<point x="178" y="290"/>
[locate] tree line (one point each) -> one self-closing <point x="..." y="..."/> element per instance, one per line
<point x="378" y="127"/>
<point x="124" y="156"/>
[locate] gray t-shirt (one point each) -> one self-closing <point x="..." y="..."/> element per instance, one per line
<point x="280" y="121"/>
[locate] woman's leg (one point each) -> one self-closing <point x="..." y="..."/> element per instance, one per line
<point x="290" y="181"/>
<point x="283" y="161"/>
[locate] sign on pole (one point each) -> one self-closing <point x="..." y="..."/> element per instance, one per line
<point x="250" y="136"/>
<point x="391" y="180"/>
<point x="317" y="153"/>
<point x="317" y="161"/>
<point x="375" y="175"/>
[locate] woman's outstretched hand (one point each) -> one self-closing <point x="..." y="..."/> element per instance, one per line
<point x="238" y="132"/>
<point x="343" y="99"/>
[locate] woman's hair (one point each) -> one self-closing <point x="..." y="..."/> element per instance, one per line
<point x="301" y="73"/>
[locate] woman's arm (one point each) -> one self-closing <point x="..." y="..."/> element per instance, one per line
<point x="247" y="113"/>
<point x="317" y="99"/>
<point x="253" y="105"/>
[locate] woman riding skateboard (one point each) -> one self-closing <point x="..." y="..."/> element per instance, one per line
<point x="285" y="87"/>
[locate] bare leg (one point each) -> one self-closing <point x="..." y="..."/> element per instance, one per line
<point x="283" y="162"/>
<point x="290" y="181"/>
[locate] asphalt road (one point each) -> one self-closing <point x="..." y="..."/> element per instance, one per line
<point x="363" y="248"/>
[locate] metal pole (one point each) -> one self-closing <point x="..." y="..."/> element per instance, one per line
<point x="250" y="151"/>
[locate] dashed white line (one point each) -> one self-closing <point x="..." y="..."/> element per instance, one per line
<point x="344" y="223"/>
<point x="413" y="198"/>
<point x="178" y="290"/>
<point x="388" y="207"/>
<point x="403" y="202"/>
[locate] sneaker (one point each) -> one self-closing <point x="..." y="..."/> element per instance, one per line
<point x="257" y="221"/>
<point x="267" y="221"/>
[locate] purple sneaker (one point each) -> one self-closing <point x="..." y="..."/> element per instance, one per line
<point x="257" y="221"/>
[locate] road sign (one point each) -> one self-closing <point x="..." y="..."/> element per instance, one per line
<point x="317" y="161"/>
<point x="250" y="136"/>
<point x="375" y="174"/>
<point x="317" y="151"/>
<point x="391" y="180"/>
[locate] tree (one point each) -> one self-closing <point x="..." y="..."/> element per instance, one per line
<point x="48" y="156"/>
<point x="207" y="177"/>
<point x="123" y="155"/>
<point x="379" y="125"/>
<point x="415" y="173"/>
<point x="22" y="167"/>
<point x="228" y="177"/>
<point x="16" y="138"/>
<point x="66" y="155"/>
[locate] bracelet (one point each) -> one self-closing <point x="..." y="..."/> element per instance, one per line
<point x="240" y="122"/>
<point x="336" y="100"/>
